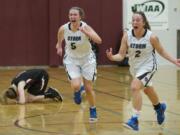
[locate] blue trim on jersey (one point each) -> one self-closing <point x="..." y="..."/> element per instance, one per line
<point x="154" y="61"/>
<point x="149" y="80"/>
<point x="67" y="73"/>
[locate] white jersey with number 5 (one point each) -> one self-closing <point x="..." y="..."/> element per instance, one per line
<point x="141" y="53"/>
<point x="77" y="43"/>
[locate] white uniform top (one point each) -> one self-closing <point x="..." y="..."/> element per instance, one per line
<point x="77" y="43"/>
<point x="142" y="58"/>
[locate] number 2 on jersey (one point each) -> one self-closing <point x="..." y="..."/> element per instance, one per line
<point x="73" y="46"/>
<point x="138" y="52"/>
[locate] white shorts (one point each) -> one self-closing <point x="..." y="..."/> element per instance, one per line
<point x="81" y="67"/>
<point x="145" y="76"/>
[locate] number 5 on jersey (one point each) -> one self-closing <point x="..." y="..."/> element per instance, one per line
<point x="73" y="45"/>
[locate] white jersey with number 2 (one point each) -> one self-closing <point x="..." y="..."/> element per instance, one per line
<point x="141" y="53"/>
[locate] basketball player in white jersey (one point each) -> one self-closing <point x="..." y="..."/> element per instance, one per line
<point x="141" y="43"/>
<point x="79" y="59"/>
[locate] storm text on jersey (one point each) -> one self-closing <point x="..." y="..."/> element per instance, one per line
<point x="137" y="46"/>
<point x="74" y="38"/>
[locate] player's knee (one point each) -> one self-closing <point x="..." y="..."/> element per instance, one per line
<point x="146" y="91"/>
<point x="89" y="89"/>
<point x="135" y="88"/>
<point x="76" y="86"/>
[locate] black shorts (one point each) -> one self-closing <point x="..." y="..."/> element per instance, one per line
<point x="37" y="88"/>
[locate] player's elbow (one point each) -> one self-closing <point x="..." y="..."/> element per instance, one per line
<point x="99" y="41"/>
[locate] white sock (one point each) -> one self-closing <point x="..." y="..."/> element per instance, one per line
<point x="93" y="107"/>
<point x="136" y="113"/>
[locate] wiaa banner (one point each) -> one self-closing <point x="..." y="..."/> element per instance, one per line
<point x="156" y="12"/>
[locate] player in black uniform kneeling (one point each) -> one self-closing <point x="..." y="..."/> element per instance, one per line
<point x="35" y="81"/>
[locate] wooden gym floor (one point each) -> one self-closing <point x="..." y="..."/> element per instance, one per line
<point x="113" y="106"/>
